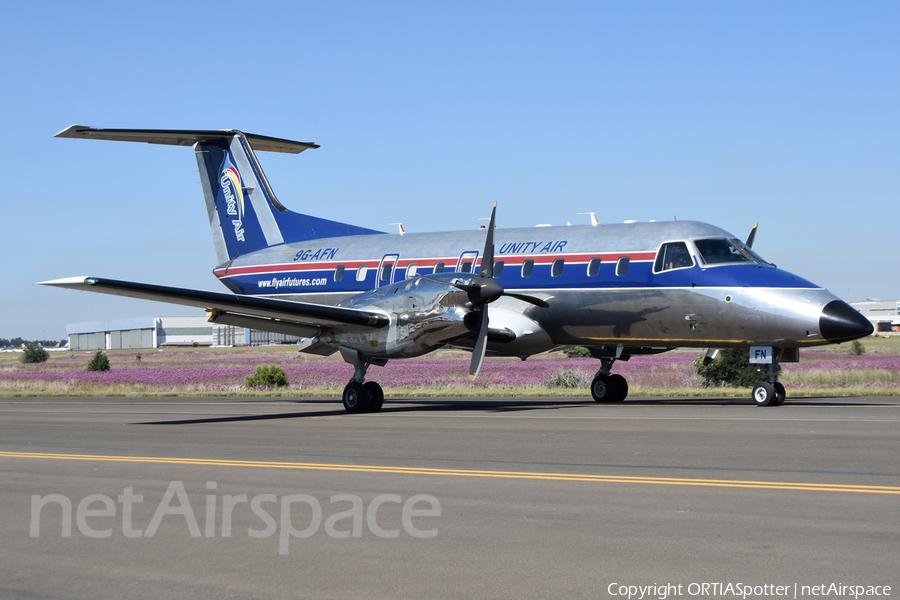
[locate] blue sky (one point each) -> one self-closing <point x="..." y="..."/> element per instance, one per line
<point x="785" y="113"/>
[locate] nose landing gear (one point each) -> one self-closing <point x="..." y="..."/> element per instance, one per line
<point x="770" y="392"/>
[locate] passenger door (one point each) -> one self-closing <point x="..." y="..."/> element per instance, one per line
<point x="466" y="262"/>
<point x="386" y="269"/>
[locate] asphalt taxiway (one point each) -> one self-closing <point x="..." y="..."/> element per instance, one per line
<point x="475" y="498"/>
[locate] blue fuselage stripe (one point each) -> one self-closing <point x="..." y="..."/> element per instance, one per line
<point x="640" y="274"/>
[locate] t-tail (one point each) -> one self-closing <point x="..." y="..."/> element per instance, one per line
<point x="244" y="213"/>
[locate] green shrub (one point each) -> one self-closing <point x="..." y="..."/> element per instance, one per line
<point x="34" y="354"/>
<point x="857" y="348"/>
<point x="267" y="376"/>
<point x="100" y="362"/>
<point x="577" y="352"/>
<point x="731" y="367"/>
<point x="570" y="379"/>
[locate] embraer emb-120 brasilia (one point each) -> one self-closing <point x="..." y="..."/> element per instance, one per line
<point x="620" y="290"/>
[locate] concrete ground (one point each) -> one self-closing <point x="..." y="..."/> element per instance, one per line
<point x="445" y="498"/>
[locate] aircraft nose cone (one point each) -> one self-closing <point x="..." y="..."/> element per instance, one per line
<point x="840" y="322"/>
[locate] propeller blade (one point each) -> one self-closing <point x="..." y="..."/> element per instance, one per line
<point x="488" y="291"/>
<point x="752" y="236"/>
<point x="480" y="345"/>
<point x="529" y="299"/>
<point x="460" y="286"/>
<point x="487" y="257"/>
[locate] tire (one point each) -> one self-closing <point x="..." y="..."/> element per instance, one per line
<point x="780" y="393"/>
<point x="764" y="394"/>
<point x="604" y="389"/>
<point x="356" y="397"/>
<point x="376" y="396"/>
<point x="621" y="385"/>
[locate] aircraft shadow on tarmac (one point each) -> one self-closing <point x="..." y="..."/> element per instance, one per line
<point x="433" y="405"/>
<point x="405" y="405"/>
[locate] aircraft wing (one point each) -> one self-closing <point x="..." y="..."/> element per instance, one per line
<point x="267" y="314"/>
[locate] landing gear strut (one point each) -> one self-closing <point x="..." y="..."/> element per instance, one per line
<point x="606" y="387"/>
<point x="770" y="392"/>
<point x="361" y="395"/>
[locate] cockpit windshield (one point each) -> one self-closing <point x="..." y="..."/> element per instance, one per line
<point x="753" y="255"/>
<point x="718" y="251"/>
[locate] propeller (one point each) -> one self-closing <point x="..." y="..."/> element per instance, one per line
<point x="483" y="289"/>
<point x="752" y="236"/>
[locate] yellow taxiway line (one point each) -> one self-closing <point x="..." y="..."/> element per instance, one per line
<point x="774" y="485"/>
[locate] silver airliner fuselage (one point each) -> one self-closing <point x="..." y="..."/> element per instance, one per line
<point x="593" y="300"/>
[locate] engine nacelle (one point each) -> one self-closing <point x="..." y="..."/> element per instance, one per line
<point x="424" y="315"/>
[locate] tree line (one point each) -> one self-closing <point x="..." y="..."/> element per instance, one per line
<point x="17" y="342"/>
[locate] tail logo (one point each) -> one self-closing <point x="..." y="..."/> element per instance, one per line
<point x="232" y="188"/>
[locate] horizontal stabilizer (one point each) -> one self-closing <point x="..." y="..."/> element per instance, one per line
<point x="244" y="214"/>
<point x="319" y="316"/>
<point x="184" y="137"/>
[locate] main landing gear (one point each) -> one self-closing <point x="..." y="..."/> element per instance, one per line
<point x="770" y="392"/>
<point x="606" y="387"/>
<point x="360" y="395"/>
<point x="363" y="397"/>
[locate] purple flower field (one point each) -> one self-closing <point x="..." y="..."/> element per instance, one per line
<point x="222" y="371"/>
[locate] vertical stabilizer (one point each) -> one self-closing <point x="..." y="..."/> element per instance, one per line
<point x="240" y="214"/>
<point x="244" y="213"/>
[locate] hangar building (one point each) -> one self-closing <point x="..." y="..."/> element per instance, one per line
<point x="884" y="314"/>
<point x="163" y="332"/>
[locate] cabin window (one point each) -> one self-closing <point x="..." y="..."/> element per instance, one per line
<point x="386" y="271"/>
<point x="622" y="266"/>
<point x="594" y="267"/>
<point x="466" y="267"/>
<point x="557" y="269"/>
<point x="527" y="268"/>
<point x="439" y="267"/>
<point x="672" y="255"/>
<point x="361" y="272"/>
<point x="498" y="268"/>
<point x="339" y="272"/>
<point x="411" y="270"/>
